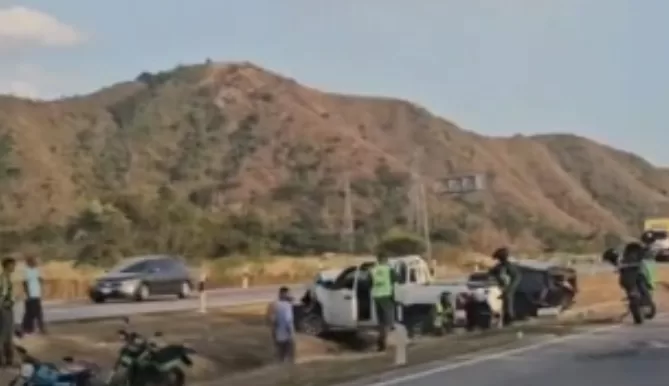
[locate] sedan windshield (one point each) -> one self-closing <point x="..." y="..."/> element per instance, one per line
<point x="133" y="266"/>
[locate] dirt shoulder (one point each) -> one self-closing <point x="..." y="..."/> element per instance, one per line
<point x="234" y="345"/>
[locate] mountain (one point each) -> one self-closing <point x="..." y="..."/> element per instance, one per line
<point x="216" y="159"/>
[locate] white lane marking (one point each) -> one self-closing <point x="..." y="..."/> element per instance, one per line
<point x="490" y="357"/>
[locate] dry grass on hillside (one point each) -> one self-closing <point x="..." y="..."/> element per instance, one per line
<point x="235" y="136"/>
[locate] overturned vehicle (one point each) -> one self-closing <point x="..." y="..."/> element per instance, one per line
<point x="543" y="286"/>
<point x="341" y="300"/>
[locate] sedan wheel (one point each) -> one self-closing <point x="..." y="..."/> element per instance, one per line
<point x="142" y="293"/>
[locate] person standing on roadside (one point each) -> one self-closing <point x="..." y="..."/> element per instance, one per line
<point x="7" y="313"/>
<point x="383" y="285"/>
<point x="32" y="285"/>
<point x="281" y="320"/>
<point x="507" y="276"/>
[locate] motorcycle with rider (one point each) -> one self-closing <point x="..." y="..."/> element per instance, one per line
<point x="635" y="265"/>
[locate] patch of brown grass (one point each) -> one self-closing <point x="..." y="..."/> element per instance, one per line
<point x="227" y="341"/>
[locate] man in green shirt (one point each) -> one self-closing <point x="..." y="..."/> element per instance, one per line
<point x="7" y="313"/>
<point x="383" y="286"/>
<point x="507" y="276"/>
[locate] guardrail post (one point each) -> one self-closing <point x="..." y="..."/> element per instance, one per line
<point x="203" y="293"/>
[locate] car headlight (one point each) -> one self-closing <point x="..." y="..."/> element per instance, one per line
<point x="129" y="286"/>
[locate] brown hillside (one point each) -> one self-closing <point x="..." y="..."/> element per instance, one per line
<point x="226" y="140"/>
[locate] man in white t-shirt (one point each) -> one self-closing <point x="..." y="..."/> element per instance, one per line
<point x="32" y="285"/>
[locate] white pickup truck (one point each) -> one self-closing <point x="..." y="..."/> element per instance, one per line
<point x="341" y="299"/>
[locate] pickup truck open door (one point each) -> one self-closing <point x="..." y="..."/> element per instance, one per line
<point x="343" y="303"/>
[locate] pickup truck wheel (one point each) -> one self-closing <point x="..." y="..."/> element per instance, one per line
<point x="312" y="323"/>
<point x="185" y="290"/>
<point x="567" y="301"/>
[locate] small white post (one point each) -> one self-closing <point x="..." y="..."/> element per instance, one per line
<point x="203" y="292"/>
<point x="245" y="278"/>
<point x="401" y="343"/>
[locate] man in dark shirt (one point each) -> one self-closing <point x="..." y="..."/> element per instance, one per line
<point x="7" y="313"/>
<point x="507" y="276"/>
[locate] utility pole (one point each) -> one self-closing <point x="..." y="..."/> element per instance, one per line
<point x="426" y="224"/>
<point x="348" y="231"/>
<point x="414" y="208"/>
<point x="418" y="215"/>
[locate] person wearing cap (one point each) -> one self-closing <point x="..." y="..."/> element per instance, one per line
<point x="383" y="288"/>
<point x="507" y="276"/>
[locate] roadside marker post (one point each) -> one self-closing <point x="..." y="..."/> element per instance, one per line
<point x="245" y="278"/>
<point x="401" y="339"/>
<point x="203" y="292"/>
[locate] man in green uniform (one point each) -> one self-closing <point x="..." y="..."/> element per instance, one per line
<point x="648" y="258"/>
<point x="7" y="313"/>
<point x="508" y="278"/>
<point x="443" y="315"/>
<point x="383" y="285"/>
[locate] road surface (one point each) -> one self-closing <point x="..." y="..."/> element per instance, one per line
<point x="613" y="356"/>
<point x="215" y="298"/>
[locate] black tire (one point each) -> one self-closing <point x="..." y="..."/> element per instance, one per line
<point x="175" y="377"/>
<point x="567" y="301"/>
<point x="97" y="299"/>
<point x="635" y="310"/>
<point x="312" y="323"/>
<point x="185" y="290"/>
<point x="119" y="378"/>
<point x="648" y="305"/>
<point x="143" y="293"/>
<point x="650" y="310"/>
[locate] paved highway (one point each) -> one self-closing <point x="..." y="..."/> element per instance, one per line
<point x="620" y="355"/>
<point x="215" y="298"/>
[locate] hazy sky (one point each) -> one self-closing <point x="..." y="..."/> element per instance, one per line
<point x="593" y="67"/>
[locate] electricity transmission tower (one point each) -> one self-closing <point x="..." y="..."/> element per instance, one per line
<point x="348" y="234"/>
<point x="418" y="217"/>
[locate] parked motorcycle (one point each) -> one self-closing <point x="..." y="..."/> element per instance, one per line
<point x="144" y="362"/>
<point x="637" y="290"/>
<point x="37" y="373"/>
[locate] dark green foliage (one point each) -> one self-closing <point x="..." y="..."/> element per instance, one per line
<point x="400" y="243"/>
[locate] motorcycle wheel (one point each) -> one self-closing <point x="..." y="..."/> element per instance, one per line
<point x="635" y="310"/>
<point x="16" y="382"/>
<point x="650" y="311"/>
<point x="119" y="379"/>
<point x="174" y="377"/>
